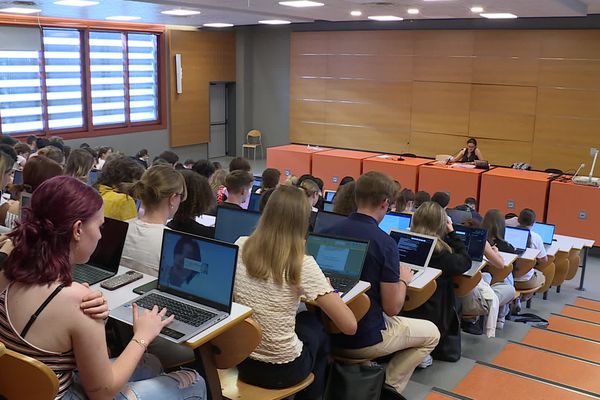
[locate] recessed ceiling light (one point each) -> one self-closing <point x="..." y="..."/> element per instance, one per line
<point x="413" y="11"/>
<point x="274" y="22"/>
<point x="20" y="10"/>
<point x="301" y="3"/>
<point x="76" y="3"/>
<point x="356" y="13"/>
<point x="385" y="18"/>
<point x="178" y="12"/>
<point x="217" y="25"/>
<point x="477" y="10"/>
<point x="498" y="15"/>
<point x="123" y="18"/>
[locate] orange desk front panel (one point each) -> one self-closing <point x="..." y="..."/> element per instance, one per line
<point x="459" y="182"/>
<point x="511" y="190"/>
<point x="405" y="171"/>
<point x="292" y="159"/>
<point x="574" y="209"/>
<point x="333" y="165"/>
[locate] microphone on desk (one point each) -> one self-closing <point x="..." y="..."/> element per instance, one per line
<point x="576" y="172"/>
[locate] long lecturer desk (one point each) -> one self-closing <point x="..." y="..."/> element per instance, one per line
<point x="459" y="182"/>
<point x="403" y="169"/>
<point x="333" y="165"/>
<point x="292" y="159"/>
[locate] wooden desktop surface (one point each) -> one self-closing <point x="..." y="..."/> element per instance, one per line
<point x="424" y="279"/>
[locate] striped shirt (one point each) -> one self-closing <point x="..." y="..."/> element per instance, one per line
<point x="63" y="364"/>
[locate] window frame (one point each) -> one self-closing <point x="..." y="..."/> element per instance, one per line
<point x="85" y="27"/>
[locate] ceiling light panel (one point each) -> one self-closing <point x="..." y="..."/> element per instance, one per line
<point x="301" y="3"/>
<point x="274" y="22"/>
<point x="218" y="25"/>
<point x="385" y="18"/>
<point x="498" y="15"/>
<point x="76" y="3"/>
<point x="20" y="10"/>
<point x="180" y="12"/>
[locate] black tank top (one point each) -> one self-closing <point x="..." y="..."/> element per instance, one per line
<point x="469" y="157"/>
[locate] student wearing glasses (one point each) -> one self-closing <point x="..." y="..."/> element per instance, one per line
<point x="161" y="190"/>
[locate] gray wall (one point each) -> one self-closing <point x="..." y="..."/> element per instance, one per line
<point x="263" y="83"/>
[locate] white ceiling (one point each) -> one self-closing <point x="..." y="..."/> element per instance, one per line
<point x="248" y="12"/>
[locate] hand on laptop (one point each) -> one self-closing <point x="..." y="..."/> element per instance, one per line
<point x="147" y="325"/>
<point x="449" y="226"/>
<point x="94" y="304"/>
<point x="406" y="273"/>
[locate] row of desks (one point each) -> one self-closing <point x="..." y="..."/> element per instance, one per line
<point x="572" y="208"/>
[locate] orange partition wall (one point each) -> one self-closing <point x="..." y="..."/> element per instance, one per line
<point x="403" y="169"/>
<point x="574" y="210"/>
<point x="511" y="190"/>
<point x="333" y="165"/>
<point x="292" y="159"/>
<point x="459" y="182"/>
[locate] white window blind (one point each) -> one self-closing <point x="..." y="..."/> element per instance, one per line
<point x="143" y="77"/>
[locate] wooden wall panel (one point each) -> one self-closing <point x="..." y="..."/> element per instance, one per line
<point x="206" y="57"/>
<point x="527" y="95"/>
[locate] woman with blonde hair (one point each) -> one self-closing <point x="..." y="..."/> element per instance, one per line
<point x="273" y="272"/>
<point x="452" y="258"/>
<point x="217" y="184"/>
<point x="161" y="190"/>
<point x="311" y="190"/>
<point x="79" y="164"/>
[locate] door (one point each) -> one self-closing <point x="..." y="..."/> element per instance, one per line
<point x="217" y="147"/>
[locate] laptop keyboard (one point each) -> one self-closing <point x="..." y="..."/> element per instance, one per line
<point x="83" y="273"/>
<point x="342" y="284"/>
<point x="186" y="313"/>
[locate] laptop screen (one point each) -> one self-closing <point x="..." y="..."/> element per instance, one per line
<point x="337" y="255"/>
<point x="546" y="231"/>
<point x="18" y="177"/>
<point x="474" y="240"/>
<point x="93" y="177"/>
<point x="518" y="237"/>
<point x="397" y="221"/>
<point x="326" y="220"/>
<point x="328" y="207"/>
<point x="329" y="195"/>
<point x="198" y="269"/>
<point x="458" y="216"/>
<point x="110" y="247"/>
<point x="231" y="224"/>
<point x="254" y="203"/>
<point x="413" y="249"/>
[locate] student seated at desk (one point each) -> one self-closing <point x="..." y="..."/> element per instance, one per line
<point x="79" y="164"/>
<point x="344" y="201"/>
<point x="381" y="331"/>
<point x="270" y="179"/>
<point x="199" y="199"/>
<point x="311" y="189"/>
<point x="469" y="154"/>
<point x="161" y="189"/>
<point x="494" y="222"/>
<point x="62" y="229"/>
<point x="420" y="198"/>
<point x="239" y="189"/>
<point x="217" y="184"/>
<point x="118" y="175"/>
<point x="405" y="201"/>
<point x="452" y="258"/>
<point x="533" y="278"/>
<point x="273" y="272"/>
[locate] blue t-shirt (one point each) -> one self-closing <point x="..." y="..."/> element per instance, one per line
<point x="382" y="264"/>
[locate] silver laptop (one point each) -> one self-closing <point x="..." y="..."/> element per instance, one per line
<point x="415" y="250"/>
<point x="518" y="237"/>
<point x="195" y="282"/>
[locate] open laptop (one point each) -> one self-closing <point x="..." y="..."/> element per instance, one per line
<point x="326" y="220"/>
<point x="18" y="177"/>
<point x="394" y="220"/>
<point x="327" y="206"/>
<point x="195" y="284"/>
<point x="546" y="231"/>
<point x="104" y="262"/>
<point x="474" y="240"/>
<point x="414" y="249"/>
<point x="518" y="237"/>
<point x="93" y="177"/>
<point x="231" y="223"/>
<point x="254" y="203"/>
<point x="340" y="259"/>
<point x="328" y="196"/>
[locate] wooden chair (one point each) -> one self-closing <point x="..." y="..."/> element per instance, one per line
<point x="23" y="377"/>
<point x="464" y="284"/>
<point x="416" y="298"/>
<point x="359" y="307"/>
<point x="231" y="348"/>
<point x="523" y="266"/>
<point x="498" y="275"/>
<point x="524" y="292"/>
<point x="549" y="270"/>
<point x="574" y="261"/>
<point x="253" y="140"/>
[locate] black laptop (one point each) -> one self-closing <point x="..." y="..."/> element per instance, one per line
<point x="233" y="223"/>
<point x="104" y="263"/>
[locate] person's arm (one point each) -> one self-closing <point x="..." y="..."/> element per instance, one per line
<point x="100" y="378"/>
<point x="339" y="313"/>
<point x="457" y="262"/>
<point x="479" y="154"/>
<point x="94" y="304"/>
<point x="393" y="294"/>
<point x="494" y="259"/>
<point x="458" y="156"/>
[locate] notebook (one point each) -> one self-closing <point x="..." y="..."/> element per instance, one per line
<point x="104" y="262"/>
<point x="340" y="259"/>
<point x="474" y="240"/>
<point x="396" y="221"/>
<point x="195" y="282"/>
<point x="518" y="237"/>
<point x="414" y="249"/>
<point x="328" y="195"/>
<point x="546" y="231"/>
<point x="326" y="220"/>
<point x="231" y="223"/>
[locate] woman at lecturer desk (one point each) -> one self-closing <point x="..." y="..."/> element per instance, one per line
<point x="469" y="154"/>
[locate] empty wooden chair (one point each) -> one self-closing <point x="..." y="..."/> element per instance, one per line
<point x="574" y="261"/>
<point x="253" y="140"/>
<point x="23" y="377"/>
